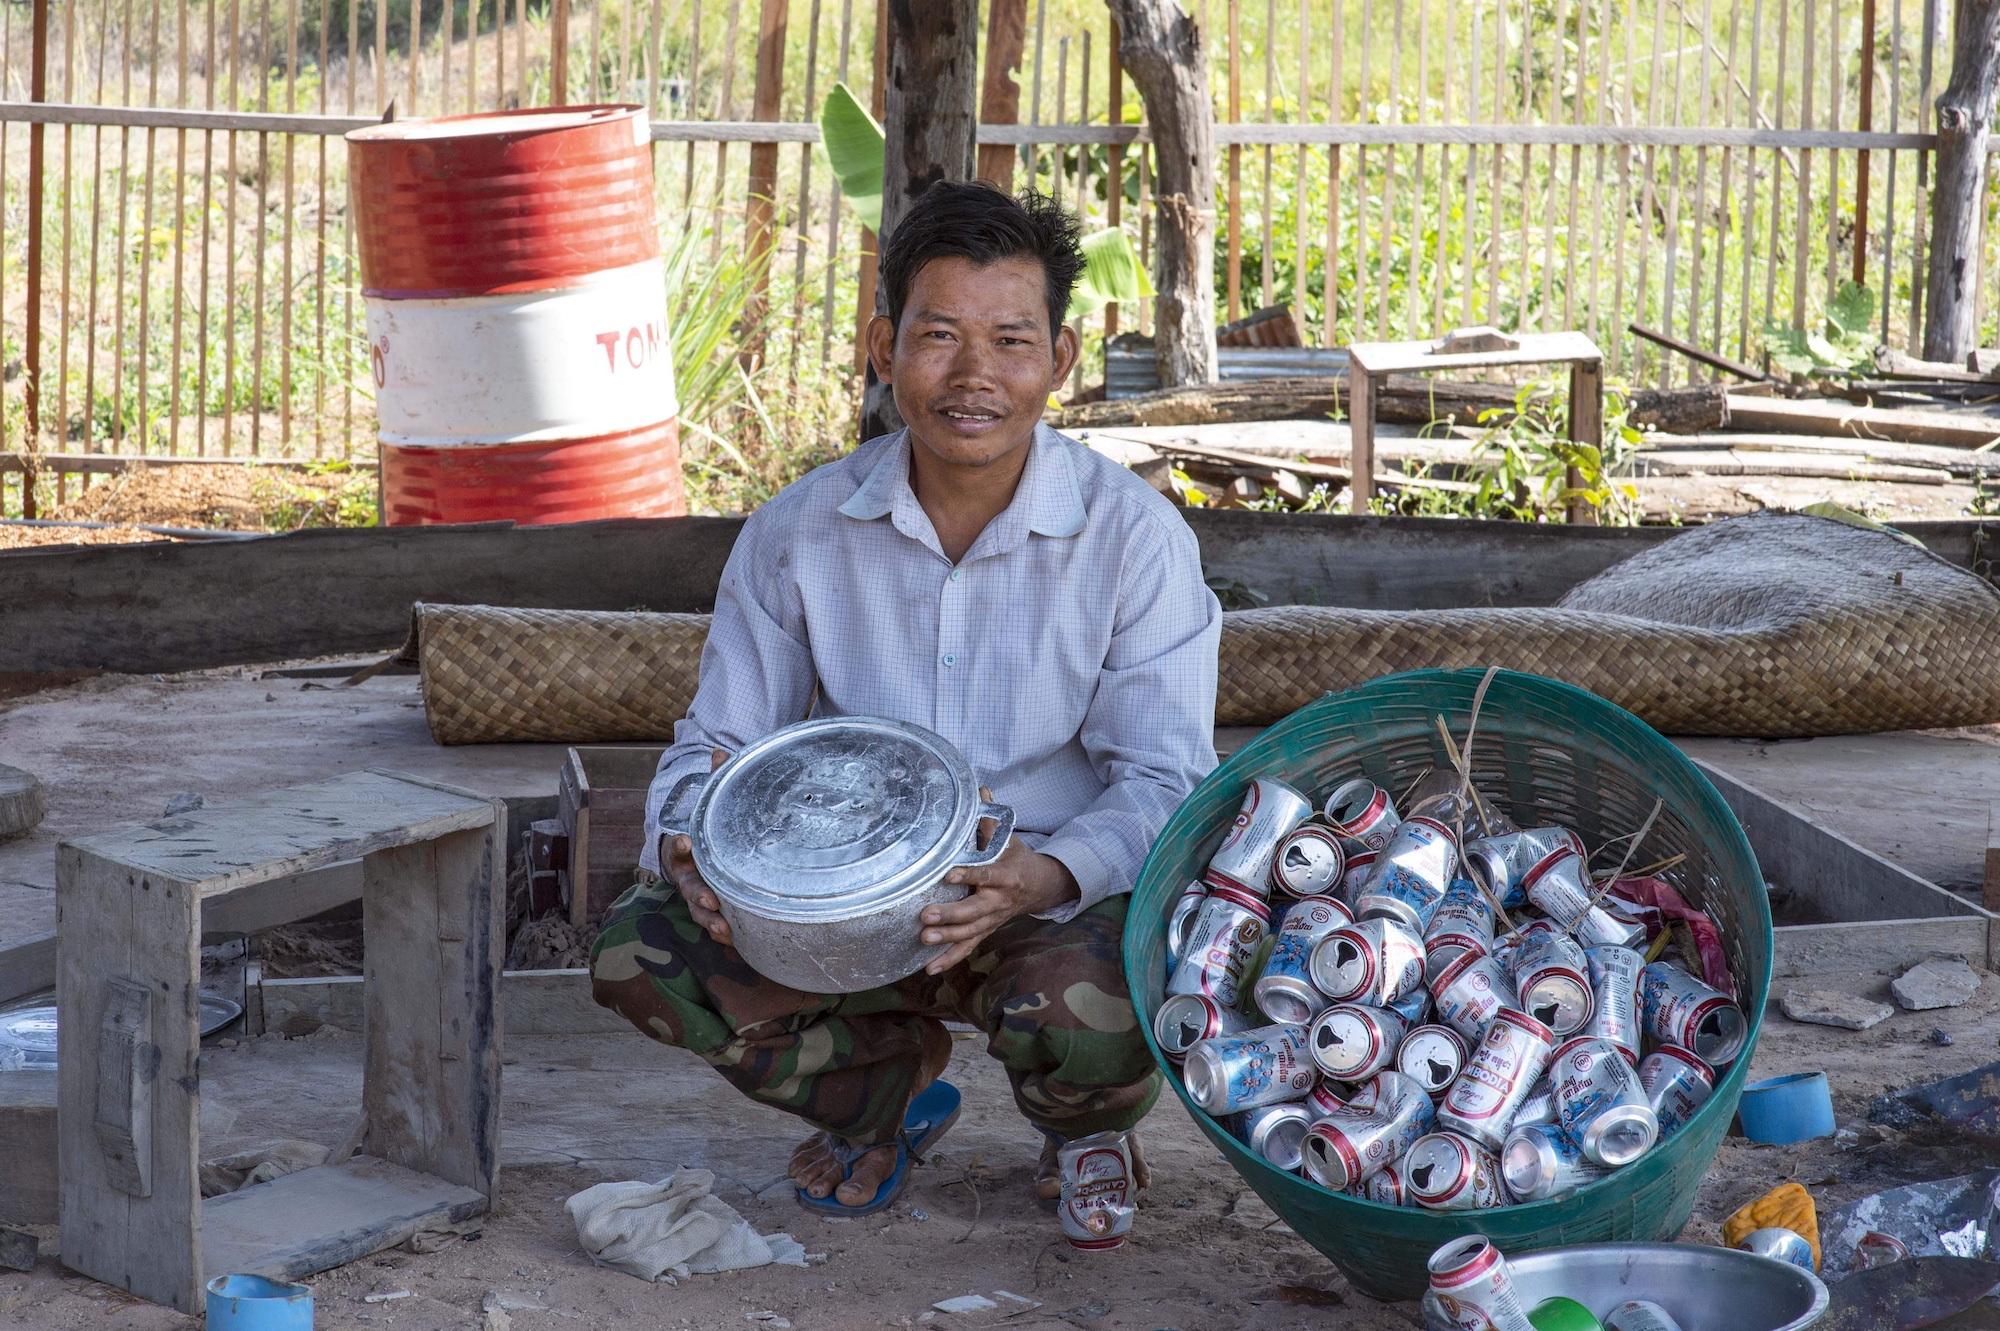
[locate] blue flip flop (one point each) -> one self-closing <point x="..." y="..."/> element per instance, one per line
<point x="927" y="1119"/>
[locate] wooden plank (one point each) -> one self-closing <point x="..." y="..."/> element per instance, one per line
<point x="29" y="1186"/>
<point x="434" y="929"/>
<point x="282" y="900"/>
<point x="276" y="834"/>
<point x="304" y="1005"/>
<point x="1989" y="890"/>
<point x="1423" y="356"/>
<point x="555" y="1002"/>
<point x="1361" y="420"/>
<point x="118" y="923"/>
<point x="1827" y="417"/>
<point x="1745" y="462"/>
<point x="1957" y="461"/>
<point x="115" y="464"/>
<point x="27" y="967"/>
<point x="327" y="1216"/>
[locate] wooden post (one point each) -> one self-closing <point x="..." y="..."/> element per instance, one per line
<point x="1235" y="169"/>
<point x="766" y="105"/>
<point x="1958" y="194"/>
<point x="930" y="127"/>
<point x="1586" y="426"/>
<point x="1990" y="890"/>
<point x="558" y="55"/>
<point x="1000" y="96"/>
<point x="864" y="299"/>
<point x="1162" y="50"/>
<point x="1114" y="178"/>
<point x="1362" y="392"/>
<point x="38" y="91"/>
<point x="1867" y="123"/>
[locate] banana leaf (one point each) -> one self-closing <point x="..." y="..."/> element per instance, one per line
<point x="852" y="145"/>
<point x="1111" y="272"/>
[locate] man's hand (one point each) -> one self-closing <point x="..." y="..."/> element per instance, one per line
<point x="1020" y="882"/>
<point x="700" y="897"/>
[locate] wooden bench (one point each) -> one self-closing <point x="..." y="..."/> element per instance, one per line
<point x="129" y="903"/>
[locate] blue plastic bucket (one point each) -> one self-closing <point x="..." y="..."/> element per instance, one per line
<point x="1781" y="1110"/>
<point x="252" y="1303"/>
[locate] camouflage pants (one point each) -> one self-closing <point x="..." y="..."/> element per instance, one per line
<point x="1050" y="997"/>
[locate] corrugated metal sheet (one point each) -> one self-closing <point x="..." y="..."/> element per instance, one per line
<point x="1130" y="370"/>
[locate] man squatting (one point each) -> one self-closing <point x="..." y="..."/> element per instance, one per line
<point x="1042" y="608"/>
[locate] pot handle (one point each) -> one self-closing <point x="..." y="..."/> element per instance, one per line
<point x="1003" y="832"/>
<point x="668" y="823"/>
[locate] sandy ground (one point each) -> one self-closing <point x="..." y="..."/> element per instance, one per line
<point x="1205" y="1254"/>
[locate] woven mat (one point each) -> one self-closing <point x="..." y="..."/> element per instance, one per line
<point x="1772" y="625"/>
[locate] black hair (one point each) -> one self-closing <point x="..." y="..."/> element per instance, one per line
<point x="971" y="219"/>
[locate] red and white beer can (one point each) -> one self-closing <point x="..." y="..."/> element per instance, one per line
<point x="517" y="319"/>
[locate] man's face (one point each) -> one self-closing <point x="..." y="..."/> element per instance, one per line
<point x="974" y="361"/>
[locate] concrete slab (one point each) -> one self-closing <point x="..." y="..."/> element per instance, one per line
<point x="116" y="748"/>
<point x="1918" y="799"/>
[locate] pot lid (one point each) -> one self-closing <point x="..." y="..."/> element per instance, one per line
<point x="30" y="1030"/>
<point x="833" y="818"/>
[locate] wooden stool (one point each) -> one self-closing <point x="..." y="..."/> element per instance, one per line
<point x="1369" y="363"/>
<point x="129" y="903"/>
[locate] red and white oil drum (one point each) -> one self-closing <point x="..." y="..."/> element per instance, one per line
<point x="517" y="322"/>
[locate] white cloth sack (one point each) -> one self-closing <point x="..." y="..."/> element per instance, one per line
<point x="672" y="1229"/>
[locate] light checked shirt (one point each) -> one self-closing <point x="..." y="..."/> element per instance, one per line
<point x="1070" y="655"/>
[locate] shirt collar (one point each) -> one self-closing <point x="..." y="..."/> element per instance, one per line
<point x="1048" y="502"/>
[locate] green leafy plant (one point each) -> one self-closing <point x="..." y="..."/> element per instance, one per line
<point x="1847" y="345"/>
<point x="1111" y="272"/>
<point x="1529" y="469"/>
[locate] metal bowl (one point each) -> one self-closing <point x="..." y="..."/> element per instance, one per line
<point x="28" y="1032"/>
<point x="1701" y="1286"/>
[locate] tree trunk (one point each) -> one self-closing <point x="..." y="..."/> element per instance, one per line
<point x="930" y="127"/>
<point x="1964" y="121"/>
<point x="1163" y="54"/>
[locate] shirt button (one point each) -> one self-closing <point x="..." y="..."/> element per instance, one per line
<point x="950" y="660"/>
<point x="954" y="575"/>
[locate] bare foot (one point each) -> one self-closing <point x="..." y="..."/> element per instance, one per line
<point x="816" y="1170"/>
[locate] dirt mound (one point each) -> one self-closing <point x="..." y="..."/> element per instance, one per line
<point x="229" y="497"/>
<point x="22" y="538"/>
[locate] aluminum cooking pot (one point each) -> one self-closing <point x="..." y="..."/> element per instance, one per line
<point x="824" y="842"/>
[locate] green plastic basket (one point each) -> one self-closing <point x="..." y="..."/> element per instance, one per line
<point x="1547" y="753"/>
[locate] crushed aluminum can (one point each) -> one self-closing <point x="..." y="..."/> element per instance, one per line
<point x="1270" y="809"/>
<point x="1385" y="1186"/>
<point x="1540" y="1160"/>
<point x="1677" y="1084"/>
<point x="1470" y="991"/>
<point x="1181" y="923"/>
<point x="1607" y="925"/>
<point x="1601" y="1102"/>
<point x="1539" y="1107"/>
<point x="1370" y="961"/>
<point x="1222" y="946"/>
<point x="1446" y="1172"/>
<point x="1614" y="997"/>
<point x="1411" y="874"/>
<point x="1285" y="991"/>
<point x="1482" y="1102"/>
<point x="1471" y="1288"/>
<point x="1184" y="1020"/>
<point x="1552" y="976"/>
<point x="1432" y="1056"/>
<point x="1348" y="1147"/>
<point x="1274" y="1132"/>
<point x="1506" y="859"/>
<point x="1229" y="1073"/>
<point x="1309" y="862"/>
<point x="1362" y="812"/>
<point x="1350" y="1042"/>
<point x="1323" y="1099"/>
<point x="1643" y="1315"/>
<point x="1679" y="1009"/>
<point x="1559" y="886"/>
<point x="1414" y="1007"/>
<point x="1784" y="1244"/>
<point x="1097" y="1190"/>
<point x="1360" y="864"/>
<point x="1440" y="950"/>
<point x="1389" y="1092"/>
<point x="1464" y="912"/>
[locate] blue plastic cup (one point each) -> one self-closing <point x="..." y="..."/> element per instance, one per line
<point x="1781" y="1110"/>
<point x="252" y="1303"/>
